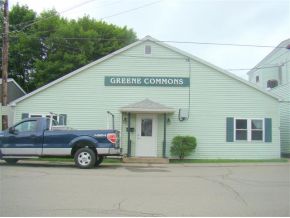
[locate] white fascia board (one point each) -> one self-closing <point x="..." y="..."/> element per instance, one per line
<point x="139" y="110"/>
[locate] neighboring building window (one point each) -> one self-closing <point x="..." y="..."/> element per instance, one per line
<point x="241" y="129"/>
<point x="249" y="129"/>
<point x="147" y="49"/>
<point x="272" y="83"/>
<point x="58" y="119"/>
<point x="257" y="79"/>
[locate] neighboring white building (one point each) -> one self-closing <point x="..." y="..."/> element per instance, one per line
<point x="273" y="74"/>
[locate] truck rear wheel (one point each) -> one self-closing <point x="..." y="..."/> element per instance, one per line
<point x="11" y="161"/>
<point x="85" y="158"/>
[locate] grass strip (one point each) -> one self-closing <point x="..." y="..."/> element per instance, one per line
<point x="228" y="161"/>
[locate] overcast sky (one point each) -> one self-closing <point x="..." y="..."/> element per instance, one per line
<point x="261" y="22"/>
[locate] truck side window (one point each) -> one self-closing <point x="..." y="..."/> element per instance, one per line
<point x="27" y="126"/>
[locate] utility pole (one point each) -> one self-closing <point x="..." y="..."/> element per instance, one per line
<point x="5" y="47"/>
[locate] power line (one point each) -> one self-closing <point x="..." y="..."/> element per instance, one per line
<point x="166" y="41"/>
<point x="258" y="68"/>
<point x="227" y="44"/>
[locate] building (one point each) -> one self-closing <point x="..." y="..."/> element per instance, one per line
<point x="273" y="75"/>
<point x="155" y="92"/>
<point x="14" y="91"/>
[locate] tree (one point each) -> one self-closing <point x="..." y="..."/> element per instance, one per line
<point x="183" y="146"/>
<point x="45" y="47"/>
<point x="23" y="49"/>
<point x="70" y="44"/>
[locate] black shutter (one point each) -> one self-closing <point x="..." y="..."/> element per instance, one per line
<point x="230" y="129"/>
<point x="268" y="130"/>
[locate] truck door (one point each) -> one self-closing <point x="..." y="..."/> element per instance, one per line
<point x="24" y="139"/>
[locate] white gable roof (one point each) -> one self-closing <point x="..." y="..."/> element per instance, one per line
<point x="283" y="45"/>
<point x="147" y="105"/>
<point x="147" y="38"/>
<point x="16" y="84"/>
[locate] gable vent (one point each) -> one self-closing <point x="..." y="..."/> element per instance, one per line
<point x="147" y="49"/>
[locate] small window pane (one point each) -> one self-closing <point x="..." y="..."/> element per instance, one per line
<point x="257" y="124"/>
<point x="257" y="135"/>
<point x="257" y="79"/>
<point x="147" y="49"/>
<point x="146" y="127"/>
<point x="241" y="135"/>
<point x="241" y="124"/>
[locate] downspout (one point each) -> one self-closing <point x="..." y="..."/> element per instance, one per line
<point x="129" y="136"/>
<point x="164" y="138"/>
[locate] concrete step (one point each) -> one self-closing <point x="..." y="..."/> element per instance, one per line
<point x="157" y="160"/>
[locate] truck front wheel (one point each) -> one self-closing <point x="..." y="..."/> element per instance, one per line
<point x="85" y="158"/>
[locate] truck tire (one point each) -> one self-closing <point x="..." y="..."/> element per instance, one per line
<point x="85" y="158"/>
<point x="11" y="161"/>
<point x="99" y="160"/>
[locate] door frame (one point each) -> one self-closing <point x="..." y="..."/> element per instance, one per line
<point x="154" y="131"/>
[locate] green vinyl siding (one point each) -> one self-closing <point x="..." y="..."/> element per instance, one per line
<point x="211" y="97"/>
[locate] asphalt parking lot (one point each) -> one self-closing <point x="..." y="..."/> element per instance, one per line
<point x="47" y="189"/>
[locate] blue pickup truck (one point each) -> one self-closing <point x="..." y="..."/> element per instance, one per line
<point x="39" y="137"/>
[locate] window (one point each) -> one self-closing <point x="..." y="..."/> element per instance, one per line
<point x="257" y="130"/>
<point x="27" y="126"/>
<point x="147" y="49"/>
<point x="257" y="79"/>
<point x="146" y="127"/>
<point x="249" y="129"/>
<point x="272" y="83"/>
<point x="241" y="129"/>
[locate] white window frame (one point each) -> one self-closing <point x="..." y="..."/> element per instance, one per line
<point x="249" y="129"/>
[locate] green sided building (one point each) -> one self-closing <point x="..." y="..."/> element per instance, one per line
<point x="155" y="92"/>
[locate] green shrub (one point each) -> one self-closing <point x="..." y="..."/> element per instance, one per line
<point x="182" y="146"/>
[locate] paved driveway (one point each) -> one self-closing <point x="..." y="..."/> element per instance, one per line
<point x="37" y="189"/>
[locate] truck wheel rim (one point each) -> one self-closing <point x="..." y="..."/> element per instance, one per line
<point x="84" y="158"/>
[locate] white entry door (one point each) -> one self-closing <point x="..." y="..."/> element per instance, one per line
<point x="146" y="133"/>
